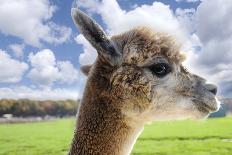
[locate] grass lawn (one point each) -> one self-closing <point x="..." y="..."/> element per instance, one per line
<point x="211" y="137"/>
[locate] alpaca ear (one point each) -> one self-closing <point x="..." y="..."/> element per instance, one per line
<point x="85" y="69"/>
<point x="96" y="36"/>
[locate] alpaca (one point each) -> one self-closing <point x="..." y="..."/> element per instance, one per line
<point x="138" y="77"/>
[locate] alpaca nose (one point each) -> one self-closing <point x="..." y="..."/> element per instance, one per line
<point x="212" y="88"/>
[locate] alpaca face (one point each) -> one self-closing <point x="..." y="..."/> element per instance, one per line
<point x="159" y="86"/>
<point x="186" y="95"/>
<point x="180" y="94"/>
<point x="147" y="75"/>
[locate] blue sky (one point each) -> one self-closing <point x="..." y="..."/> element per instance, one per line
<point x="41" y="49"/>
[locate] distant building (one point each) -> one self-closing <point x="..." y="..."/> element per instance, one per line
<point x="228" y="104"/>
<point x="7" y="116"/>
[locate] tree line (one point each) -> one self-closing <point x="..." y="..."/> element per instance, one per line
<point x="30" y="108"/>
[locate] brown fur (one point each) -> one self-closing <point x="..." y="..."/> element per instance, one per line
<point x="121" y="97"/>
<point x="101" y="127"/>
<point x="142" y="43"/>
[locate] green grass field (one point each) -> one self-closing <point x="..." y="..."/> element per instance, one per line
<point x="213" y="136"/>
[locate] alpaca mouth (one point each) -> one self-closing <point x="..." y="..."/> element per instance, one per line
<point x="209" y="107"/>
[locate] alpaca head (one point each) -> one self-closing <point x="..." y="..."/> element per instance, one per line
<point x="146" y="74"/>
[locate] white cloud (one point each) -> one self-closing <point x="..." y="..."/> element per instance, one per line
<point x="68" y="74"/>
<point x="30" y="21"/>
<point x="17" y="49"/>
<point x="42" y="59"/>
<point x="89" y="54"/>
<point x="214" y="24"/>
<point x="157" y="16"/>
<point x="186" y="17"/>
<point x="57" y="34"/>
<point x="213" y="29"/>
<point x="11" y="70"/>
<point x="20" y="92"/>
<point x="189" y="1"/>
<point x="46" y="70"/>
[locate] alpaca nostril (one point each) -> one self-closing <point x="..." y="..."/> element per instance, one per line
<point x="212" y="88"/>
<point x="214" y="91"/>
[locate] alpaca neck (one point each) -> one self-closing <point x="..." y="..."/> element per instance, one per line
<point x="101" y="130"/>
<point x="101" y="126"/>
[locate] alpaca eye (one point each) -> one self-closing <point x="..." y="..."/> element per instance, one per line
<point x="160" y="69"/>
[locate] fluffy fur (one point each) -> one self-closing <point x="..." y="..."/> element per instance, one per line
<point x="122" y="96"/>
